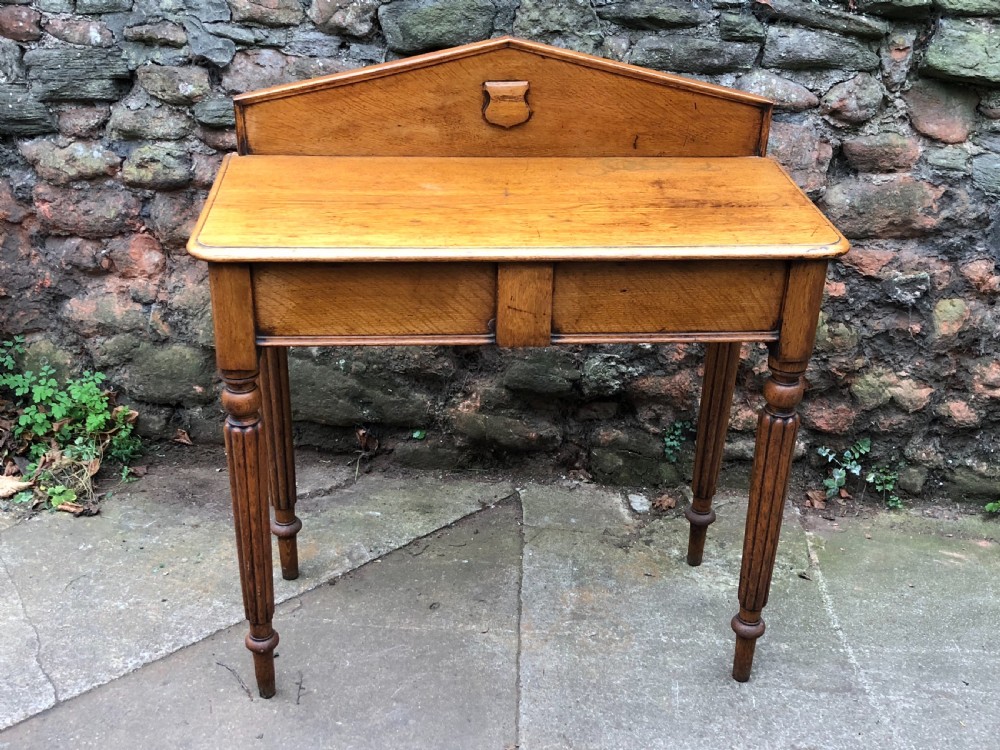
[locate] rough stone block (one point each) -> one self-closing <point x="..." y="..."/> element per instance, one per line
<point x="11" y="65"/>
<point x="786" y="94"/>
<point x="420" y="25"/>
<point x="64" y="74"/>
<point x="207" y="46"/>
<point x="175" y="84"/>
<point x="965" y="51"/>
<point x="691" y="54"/>
<point x="208" y="10"/>
<point x="854" y="101"/>
<point x="942" y="111"/>
<point x="986" y="173"/>
<point x="171" y="374"/>
<point x="509" y="433"/>
<point x="896" y="53"/>
<point x="157" y="167"/>
<point x="23" y="114"/>
<point x="900" y="206"/>
<point x="267" y="12"/>
<point x="896" y="8"/>
<point x="215" y="112"/>
<point x="801" y="151"/>
<point x="800" y="48"/>
<point x="741" y="27"/>
<point x="160" y="123"/>
<point x="20" y="23"/>
<point x="97" y="211"/>
<point x="78" y="31"/>
<point x="350" y="17"/>
<point x="970" y="7"/>
<point x="163" y="33"/>
<point x="565" y="23"/>
<point x="77" y="161"/>
<point x="821" y="17"/>
<point x="886" y="152"/>
<point x="103" y="6"/>
<point x="651" y="14"/>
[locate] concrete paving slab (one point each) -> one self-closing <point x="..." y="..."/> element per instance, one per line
<point x="156" y="570"/>
<point x="25" y="689"/>
<point x="447" y="680"/>
<point x="917" y="602"/>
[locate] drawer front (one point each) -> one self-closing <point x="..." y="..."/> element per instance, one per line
<point x="672" y="297"/>
<point x="374" y="299"/>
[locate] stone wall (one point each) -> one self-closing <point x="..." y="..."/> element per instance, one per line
<point x="115" y="114"/>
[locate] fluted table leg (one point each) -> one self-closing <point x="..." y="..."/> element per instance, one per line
<point x="277" y="408"/>
<point x="721" y="363"/>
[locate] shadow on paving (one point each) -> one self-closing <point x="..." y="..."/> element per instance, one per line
<point x="559" y="620"/>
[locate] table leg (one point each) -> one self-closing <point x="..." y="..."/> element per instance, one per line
<point x="277" y="409"/>
<point x="246" y="452"/>
<point x="776" y="430"/>
<point x="721" y="363"/>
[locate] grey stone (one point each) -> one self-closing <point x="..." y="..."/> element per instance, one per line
<point x="800" y="48"/>
<point x="986" y="173"/>
<point x="967" y="51"/>
<point x="267" y="12"/>
<point x="350" y="17"/>
<point x="896" y="53"/>
<point x="897" y="207"/>
<point x="639" y="503"/>
<point x="586" y="508"/>
<point x="508" y="433"/>
<point x="23" y="114"/>
<point x="428" y="455"/>
<point x="239" y="34"/>
<point x="969" y="7"/>
<point x="79" y="160"/>
<point x="886" y="152"/>
<point x="421" y="25"/>
<point x="854" y="101"/>
<point x="53" y="6"/>
<point x="215" y="112"/>
<point x="157" y="167"/>
<point x="741" y="27"/>
<point x="786" y="94"/>
<point x="604" y="375"/>
<point x="207" y="46"/>
<point x="912" y="479"/>
<point x="822" y="17"/>
<point x="103" y="6"/>
<point x="137" y="55"/>
<point x="693" y="54"/>
<point x="208" y="10"/>
<point x="252" y="69"/>
<point x="170" y="374"/>
<point x="907" y="289"/>
<point x="964" y="482"/>
<point x="801" y="151"/>
<point x="313" y="43"/>
<point x="175" y="84"/>
<point x="356" y="393"/>
<point x="150" y="123"/>
<point x="653" y="14"/>
<point x="950" y="158"/>
<point x="11" y="65"/>
<point x="896" y="8"/>
<point x="67" y="74"/>
<point x="165" y="33"/>
<point x="544" y="372"/>
<point x="565" y="23"/>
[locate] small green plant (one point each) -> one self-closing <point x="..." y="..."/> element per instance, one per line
<point x="848" y="463"/>
<point x="678" y="431"/>
<point x="63" y="429"/>
<point x="993" y="507"/>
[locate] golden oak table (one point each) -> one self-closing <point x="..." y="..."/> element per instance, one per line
<point x="507" y="193"/>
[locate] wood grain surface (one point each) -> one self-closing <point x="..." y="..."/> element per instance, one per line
<point x="432" y="105"/>
<point x="289" y="208"/>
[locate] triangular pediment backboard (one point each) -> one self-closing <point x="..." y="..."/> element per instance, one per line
<point x="436" y="105"/>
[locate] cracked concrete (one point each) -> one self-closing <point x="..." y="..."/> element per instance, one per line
<point x="557" y="619"/>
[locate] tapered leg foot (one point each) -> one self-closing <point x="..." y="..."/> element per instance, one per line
<point x="277" y="408"/>
<point x="776" y="430"/>
<point x="721" y="363"/>
<point x="246" y="453"/>
<point x="263" y="660"/>
<point x="747" y="634"/>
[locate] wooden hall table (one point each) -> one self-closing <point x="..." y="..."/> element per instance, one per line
<point x="512" y="193"/>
